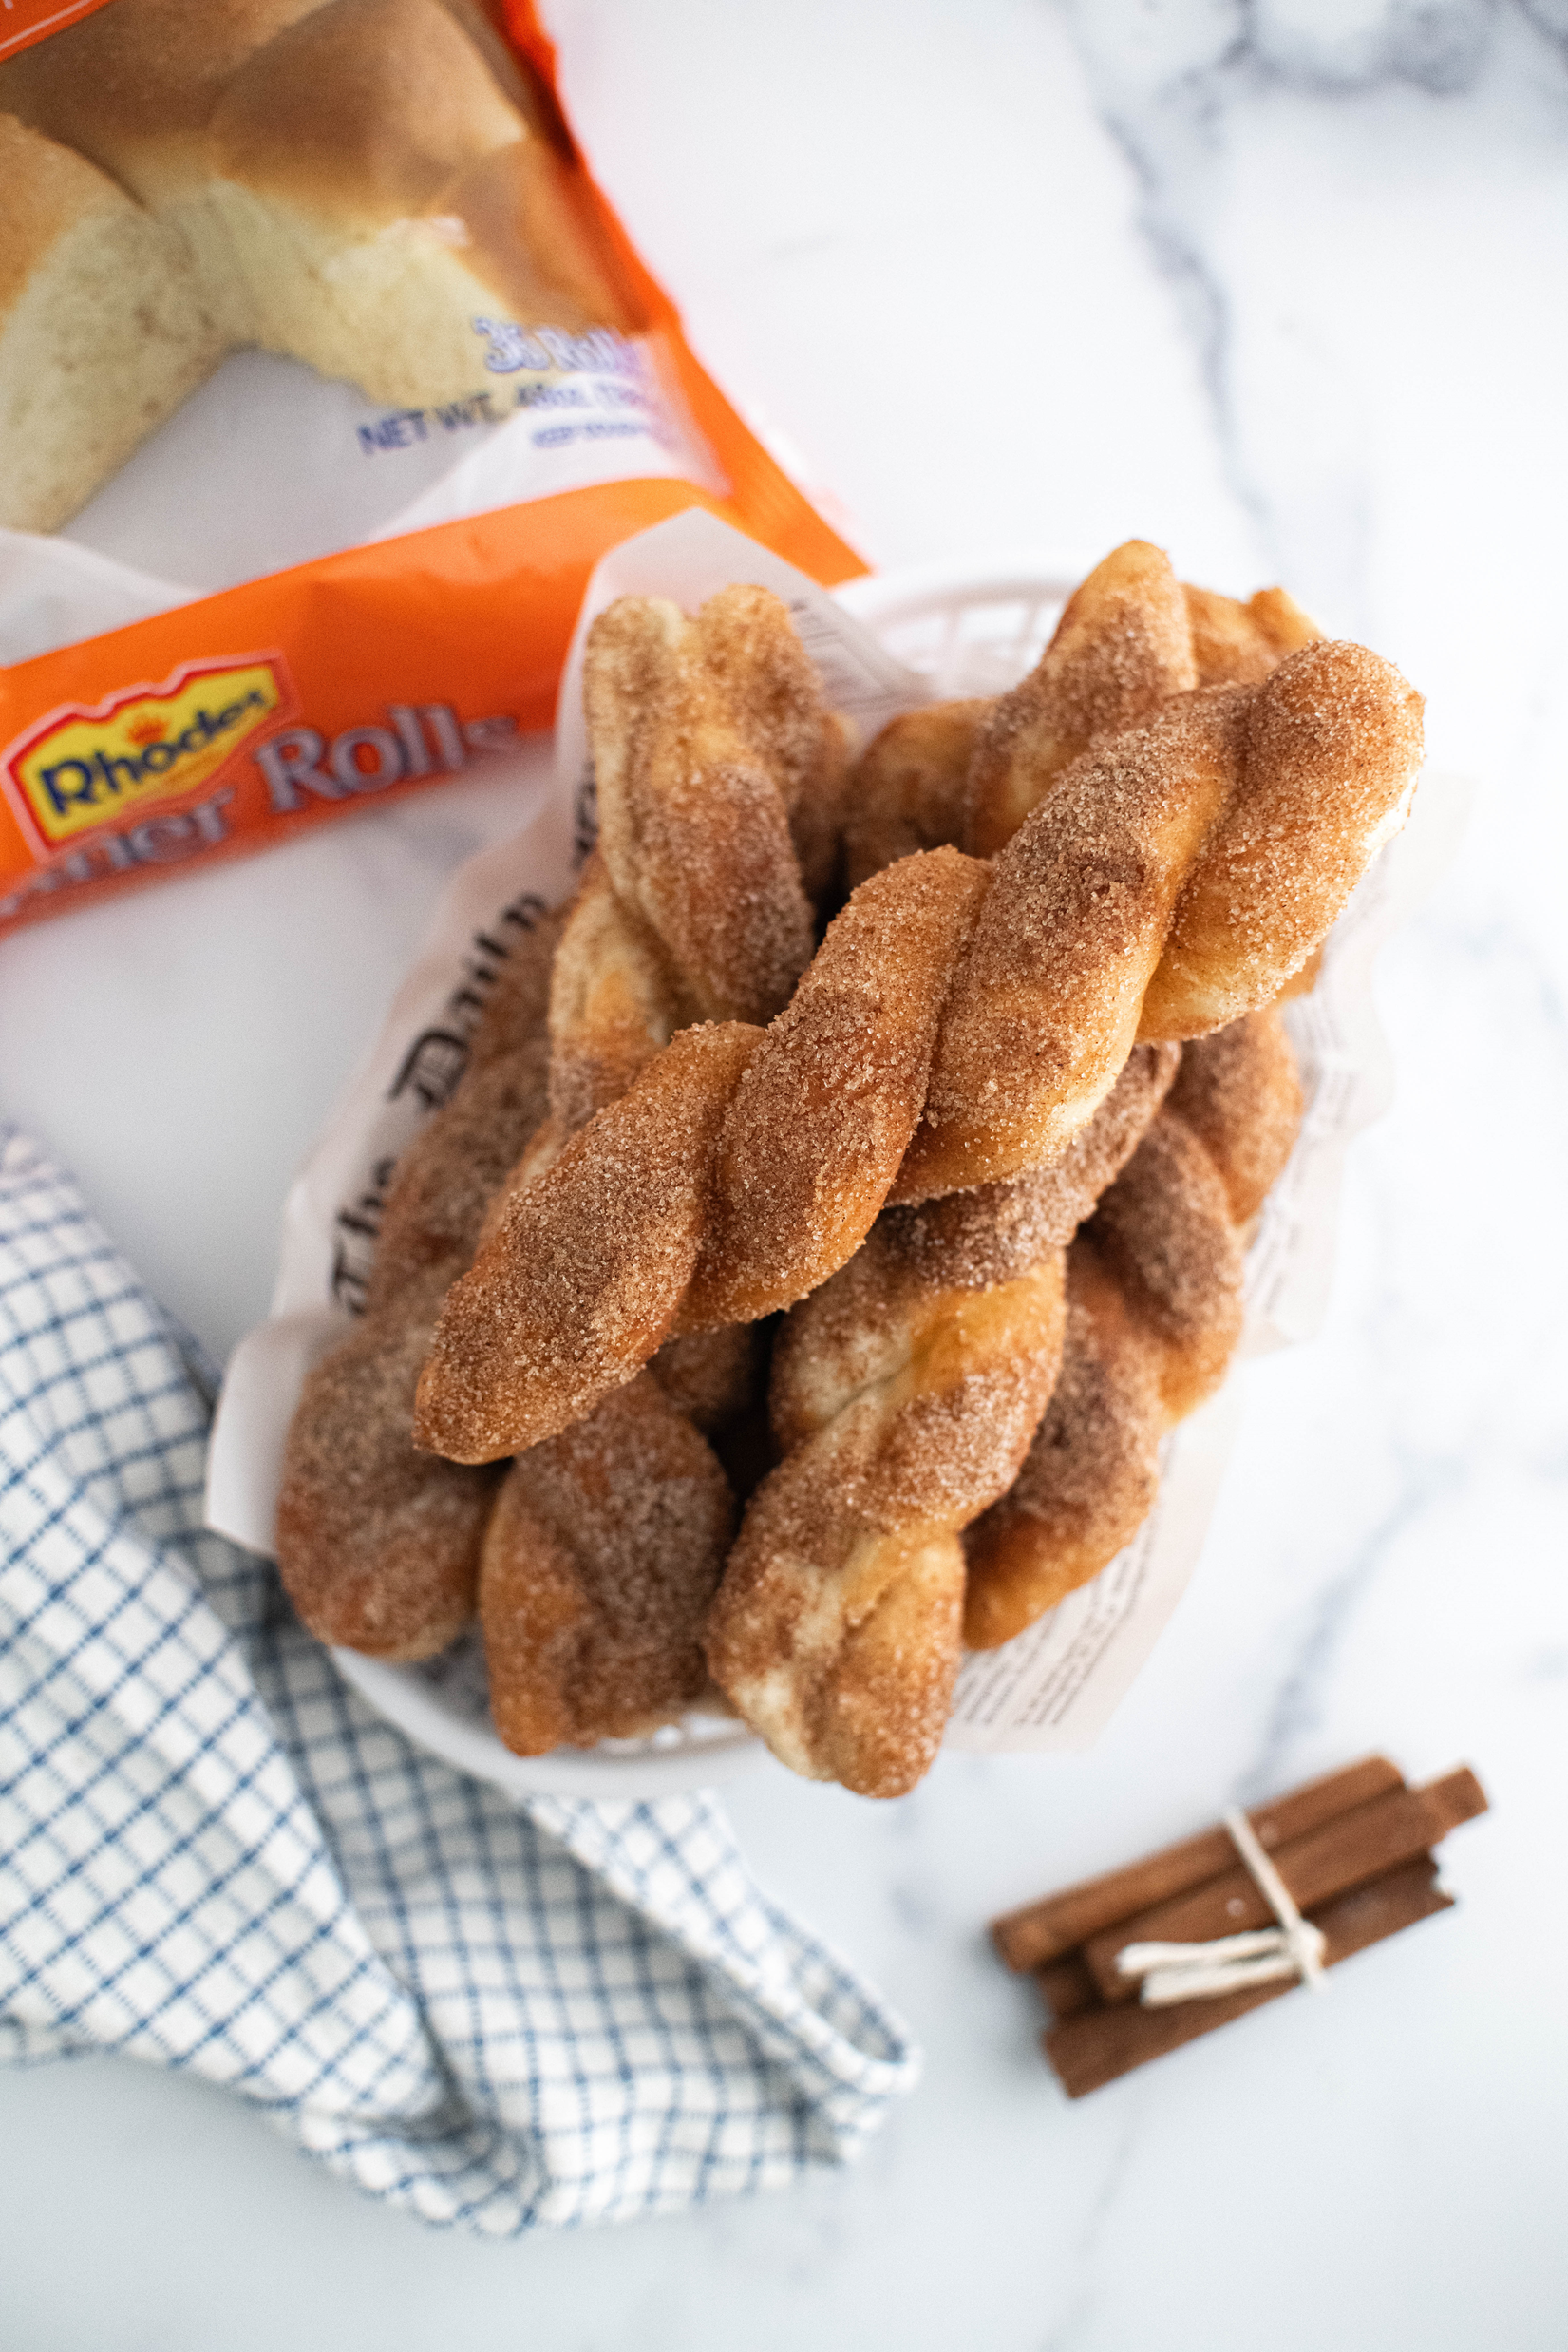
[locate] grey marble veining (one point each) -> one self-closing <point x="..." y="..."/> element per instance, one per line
<point x="1280" y="285"/>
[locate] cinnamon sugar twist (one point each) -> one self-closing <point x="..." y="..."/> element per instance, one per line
<point x="905" y="1392"/>
<point x="717" y="769"/>
<point x="718" y="772"/>
<point x="600" y="1559"/>
<point x="1154" y="1311"/>
<point x="379" y="1544"/>
<point x="715" y="756"/>
<point x="1129" y="637"/>
<point x="797" y="1635"/>
<point x="835" y="1633"/>
<point x="959" y="1024"/>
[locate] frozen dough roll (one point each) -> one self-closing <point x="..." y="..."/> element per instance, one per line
<point x="370" y="186"/>
<point x="103" y="327"/>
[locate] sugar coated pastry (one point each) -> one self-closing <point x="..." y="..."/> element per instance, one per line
<point x="1122" y="646"/>
<point x="904" y="1394"/>
<point x="601" y="1557"/>
<point x="703" y="731"/>
<point x="717" y="771"/>
<point x="613" y="1003"/>
<point x="824" y="1112"/>
<point x="711" y="1376"/>
<point x="1236" y="644"/>
<point x="378" y="1543"/>
<point x="713" y="752"/>
<point x="1153" y="1316"/>
<point x="909" y="789"/>
<point x="586" y="1268"/>
<point x="1251" y="909"/>
<point x="706" y="735"/>
<point x="968" y="774"/>
<point x="718" y="774"/>
<point x="993" y="1231"/>
<point x="1173" y="877"/>
<point x="974" y="1176"/>
<point x="906" y="1404"/>
<point x="1129" y="638"/>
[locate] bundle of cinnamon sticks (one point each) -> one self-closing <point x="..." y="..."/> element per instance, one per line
<point x="1354" y="1850"/>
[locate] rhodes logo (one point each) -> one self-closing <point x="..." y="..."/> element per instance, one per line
<point x="86" y="767"/>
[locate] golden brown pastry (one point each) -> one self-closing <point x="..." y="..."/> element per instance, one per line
<point x="715" y="764"/>
<point x="1236" y="644"/>
<point x="717" y="770"/>
<point x="378" y="1545"/>
<point x="904" y="1394"/>
<point x="1153" y="1316"/>
<point x="960" y="1024"/>
<point x="908" y="790"/>
<point x="594" y="1256"/>
<point x="737" y="1125"/>
<point x="1122" y="646"/>
<point x="904" y="1403"/>
<point x="600" y="1559"/>
<point x="1131" y="636"/>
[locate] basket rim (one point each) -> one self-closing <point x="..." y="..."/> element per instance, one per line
<point x="906" y="592"/>
<point x="406" y="1702"/>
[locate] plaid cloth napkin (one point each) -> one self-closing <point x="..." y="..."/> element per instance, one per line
<point x="213" y="1856"/>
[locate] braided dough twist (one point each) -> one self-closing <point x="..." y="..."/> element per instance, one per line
<point x="799" y="1638"/>
<point x="711" y="744"/>
<point x="904" y="1394"/>
<point x="600" y="1560"/>
<point x="1154" y="1312"/>
<point x="959" y="1024"/>
<point x="1129" y="637"/>
<point x="717" y="770"/>
<point x="835" y="1632"/>
<point x="718" y="773"/>
<point x="379" y="1544"/>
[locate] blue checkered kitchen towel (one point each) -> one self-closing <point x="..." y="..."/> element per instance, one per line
<point x="213" y="1856"/>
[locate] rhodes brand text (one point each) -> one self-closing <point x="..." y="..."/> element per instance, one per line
<point x="82" y="767"/>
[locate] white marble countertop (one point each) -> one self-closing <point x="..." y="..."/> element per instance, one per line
<point x="1279" y="286"/>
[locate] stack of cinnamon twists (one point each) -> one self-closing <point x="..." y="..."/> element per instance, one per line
<point x="798" y="1288"/>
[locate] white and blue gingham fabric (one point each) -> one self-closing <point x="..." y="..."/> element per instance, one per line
<point x="213" y="1856"/>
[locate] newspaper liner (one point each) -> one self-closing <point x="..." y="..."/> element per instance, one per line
<point x="1054" y="1687"/>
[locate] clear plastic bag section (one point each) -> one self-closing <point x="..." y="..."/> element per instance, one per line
<point x="363" y="226"/>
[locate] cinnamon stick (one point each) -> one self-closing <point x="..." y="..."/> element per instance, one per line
<point x="1042" y="1931"/>
<point x="1066" y="1986"/>
<point x="1089" y="2047"/>
<point x="1344" y="1852"/>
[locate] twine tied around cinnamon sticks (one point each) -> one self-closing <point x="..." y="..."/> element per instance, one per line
<point x="1173" y="1972"/>
<point x="1351" y="1855"/>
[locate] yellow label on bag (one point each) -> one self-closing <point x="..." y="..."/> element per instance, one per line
<point x="81" y="767"/>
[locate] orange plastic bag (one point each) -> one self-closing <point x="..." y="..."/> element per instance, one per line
<point x="233" y="720"/>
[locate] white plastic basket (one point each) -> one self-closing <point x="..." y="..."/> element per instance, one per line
<point x="961" y="630"/>
<point x="970" y="629"/>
